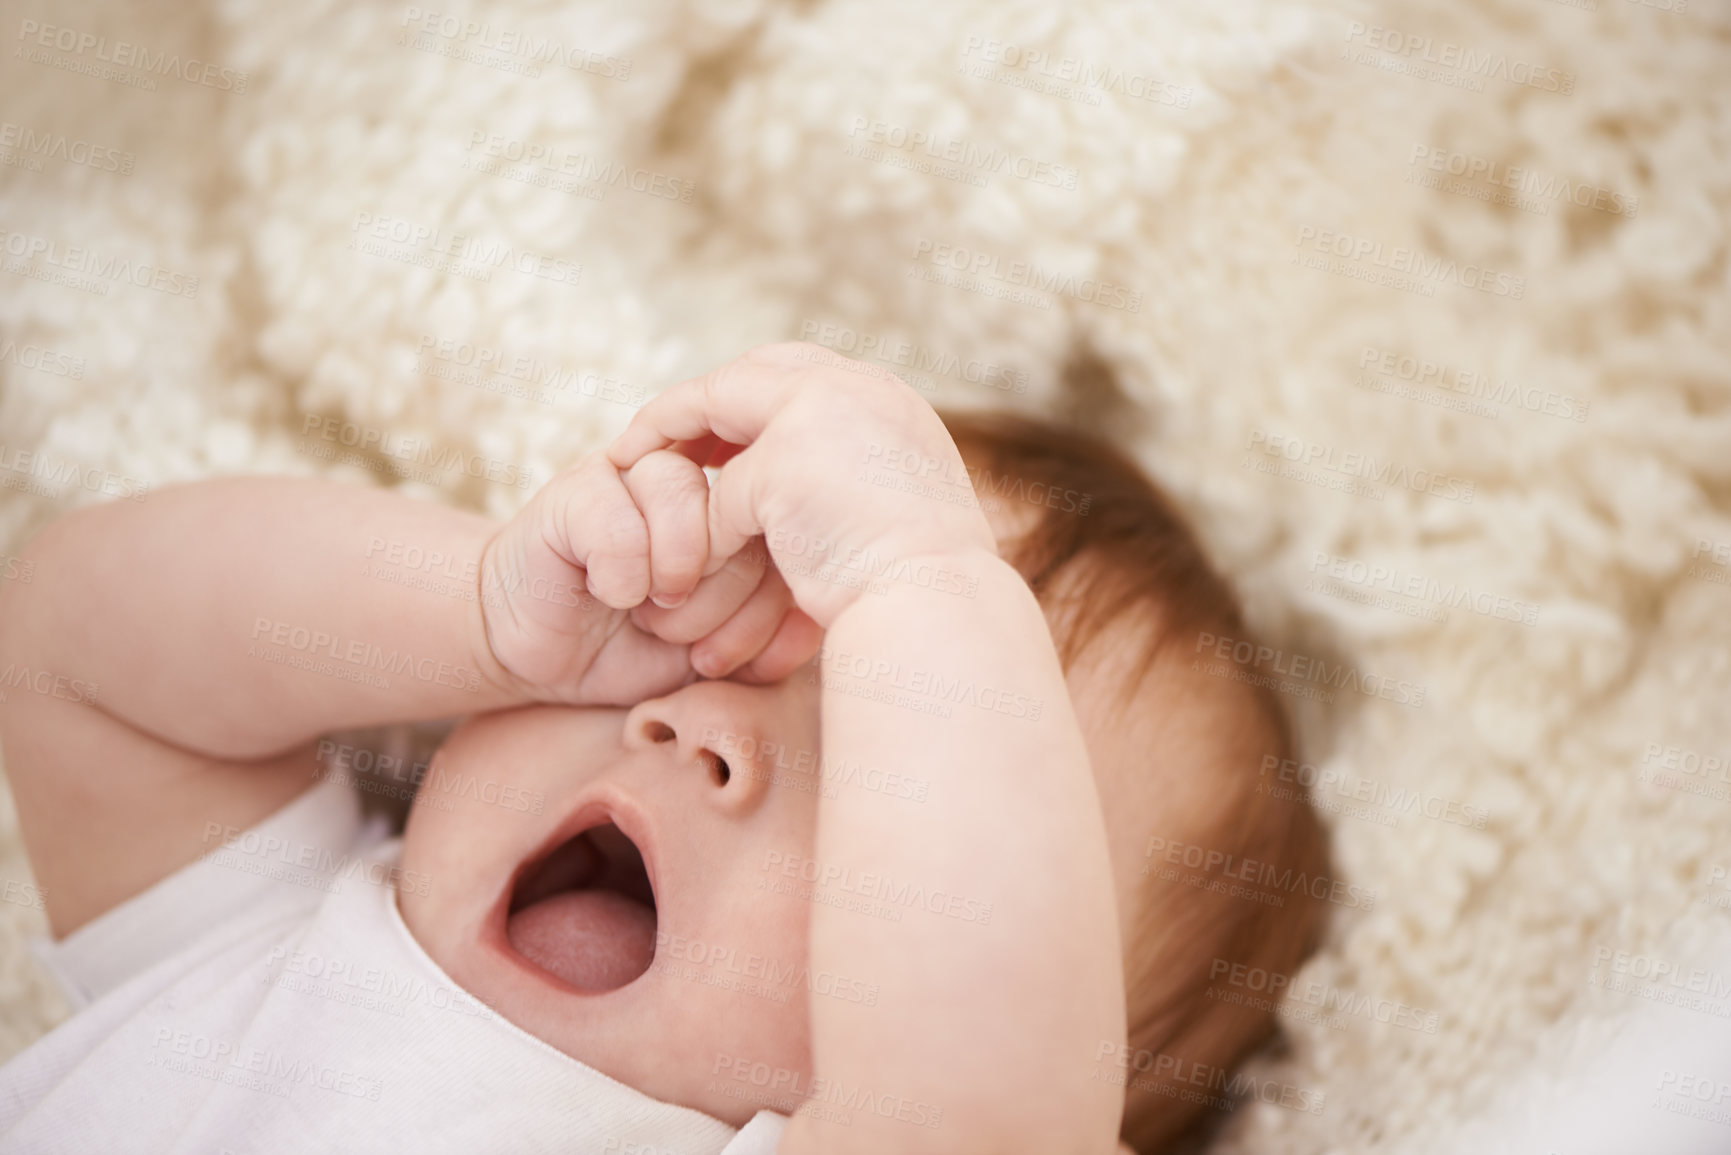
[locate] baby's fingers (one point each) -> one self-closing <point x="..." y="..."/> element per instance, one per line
<point x="749" y="632"/>
<point x="732" y="403"/>
<point x="797" y="640"/>
<point x="597" y="527"/>
<point x="716" y="598"/>
<point x="673" y="496"/>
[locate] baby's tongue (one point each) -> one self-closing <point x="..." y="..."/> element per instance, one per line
<point x="594" y="939"/>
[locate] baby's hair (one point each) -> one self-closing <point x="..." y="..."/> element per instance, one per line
<point x="1110" y="558"/>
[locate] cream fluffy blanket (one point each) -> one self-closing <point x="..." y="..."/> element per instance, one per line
<point x="1420" y="308"/>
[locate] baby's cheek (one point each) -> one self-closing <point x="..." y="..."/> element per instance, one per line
<point x="746" y="1006"/>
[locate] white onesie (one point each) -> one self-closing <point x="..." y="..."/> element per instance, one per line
<point x="263" y="1002"/>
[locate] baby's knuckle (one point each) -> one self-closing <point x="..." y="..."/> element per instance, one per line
<point x="678" y="480"/>
<point x="623" y="532"/>
<point x="684" y="560"/>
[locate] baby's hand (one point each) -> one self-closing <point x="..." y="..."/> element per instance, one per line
<point x="596" y="594"/>
<point x="845" y="470"/>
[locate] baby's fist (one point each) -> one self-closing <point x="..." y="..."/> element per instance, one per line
<point x="557" y="580"/>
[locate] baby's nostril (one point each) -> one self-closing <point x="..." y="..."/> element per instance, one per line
<point x="718" y="768"/>
<point x="659" y="732"/>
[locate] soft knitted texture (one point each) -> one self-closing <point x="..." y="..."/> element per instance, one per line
<point x="1214" y="230"/>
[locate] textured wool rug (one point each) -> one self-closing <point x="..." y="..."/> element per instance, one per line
<point x="1420" y="308"/>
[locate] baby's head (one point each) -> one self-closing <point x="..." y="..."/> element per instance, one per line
<point x="1180" y="756"/>
<point x="634" y="887"/>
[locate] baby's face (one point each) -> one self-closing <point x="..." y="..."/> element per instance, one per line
<point x="670" y="974"/>
<point x="655" y="972"/>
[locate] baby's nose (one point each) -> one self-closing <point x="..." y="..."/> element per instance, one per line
<point x="693" y="724"/>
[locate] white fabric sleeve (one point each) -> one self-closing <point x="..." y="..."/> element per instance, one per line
<point x="258" y="873"/>
<point x="758" y="1137"/>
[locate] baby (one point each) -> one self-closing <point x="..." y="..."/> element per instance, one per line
<point x="776" y="822"/>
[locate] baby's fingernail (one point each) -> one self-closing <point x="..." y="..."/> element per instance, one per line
<point x="670" y="601"/>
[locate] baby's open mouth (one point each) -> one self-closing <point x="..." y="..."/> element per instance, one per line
<point x="586" y="913"/>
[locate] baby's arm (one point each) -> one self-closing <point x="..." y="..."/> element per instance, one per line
<point x="1000" y="1023"/>
<point x="225" y="624"/>
<point x="184" y="612"/>
<point x="240" y="617"/>
<point x="988" y="1022"/>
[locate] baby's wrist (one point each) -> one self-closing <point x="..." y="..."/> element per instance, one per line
<point x="492" y="604"/>
<point x="956" y="578"/>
